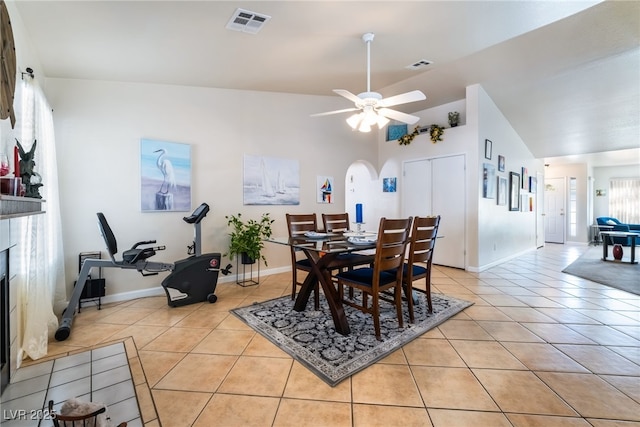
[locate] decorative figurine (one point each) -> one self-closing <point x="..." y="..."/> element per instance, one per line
<point x="31" y="180"/>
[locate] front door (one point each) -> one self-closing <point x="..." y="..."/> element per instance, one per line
<point x="554" y="210"/>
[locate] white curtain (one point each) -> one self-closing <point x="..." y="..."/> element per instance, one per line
<point x="41" y="266"/>
<point x="624" y="200"/>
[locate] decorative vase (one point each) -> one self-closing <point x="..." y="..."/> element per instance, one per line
<point x="617" y="252"/>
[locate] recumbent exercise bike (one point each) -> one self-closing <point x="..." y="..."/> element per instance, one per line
<point x="195" y="277"/>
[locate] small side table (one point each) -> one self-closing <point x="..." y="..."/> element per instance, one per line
<point x="605" y="244"/>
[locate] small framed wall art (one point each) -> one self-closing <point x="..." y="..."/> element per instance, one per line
<point x="488" y="147"/>
<point x="514" y="193"/>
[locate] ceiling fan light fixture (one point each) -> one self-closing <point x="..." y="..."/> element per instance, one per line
<point x="355" y="120"/>
<point x="382" y="121"/>
<point x="364" y="127"/>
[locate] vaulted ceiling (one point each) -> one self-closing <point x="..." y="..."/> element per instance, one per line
<point x="565" y="74"/>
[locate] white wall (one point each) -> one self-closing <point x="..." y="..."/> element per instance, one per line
<point x="98" y="130"/>
<point x="493" y="233"/>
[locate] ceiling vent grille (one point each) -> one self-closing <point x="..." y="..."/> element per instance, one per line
<point x="419" y="65"/>
<point x="247" y="21"/>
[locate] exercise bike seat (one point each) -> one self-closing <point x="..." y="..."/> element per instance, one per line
<point x="130" y="256"/>
<point x="197" y="215"/>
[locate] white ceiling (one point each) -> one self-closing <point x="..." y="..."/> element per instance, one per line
<point x="565" y="74"/>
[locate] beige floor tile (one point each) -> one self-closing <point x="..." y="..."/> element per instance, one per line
<point x="503" y="301"/>
<point x="127" y="316"/>
<point x="304" y="384"/>
<point x="385" y="385"/>
<point x="526" y="314"/>
<point x="543" y="357"/>
<point x="509" y="331"/>
<point x="486" y="354"/>
<point x="556" y="333"/>
<point x="258" y="376"/>
<point x="389" y="416"/>
<point x="600" y="360"/>
<point x="432" y="352"/>
<point x="611" y="423"/>
<point x="142" y="335"/>
<point x="203" y="318"/>
<point x="605" y="335"/>
<point x="165" y="317"/>
<point x="260" y="346"/>
<point x="179" y="408"/>
<point x="197" y="372"/>
<point x="464" y="330"/>
<point x="225" y="341"/>
<point x="90" y="335"/>
<point x="302" y="413"/>
<point x="452" y="418"/>
<point x="539" y="301"/>
<point x="232" y="322"/>
<point x="395" y="358"/>
<point x="145" y="402"/>
<point x="156" y="364"/>
<point x="451" y="388"/>
<point x="525" y="420"/>
<point x="592" y="396"/>
<point x="567" y="315"/>
<point x="149" y="302"/>
<point x="626" y="384"/>
<point x="522" y="392"/>
<point x="234" y="410"/>
<point x="478" y="312"/>
<point x="177" y="340"/>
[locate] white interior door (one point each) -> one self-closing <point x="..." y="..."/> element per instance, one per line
<point x="554" y="210"/>
<point x="437" y="187"/>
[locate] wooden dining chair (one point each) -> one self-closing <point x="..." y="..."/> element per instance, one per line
<point x="386" y="273"/>
<point x="339" y="223"/>
<point x="298" y="224"/>
<point x="74" y="419"/>
<point x="335" y="223"/>
<point x="421" y="245"/>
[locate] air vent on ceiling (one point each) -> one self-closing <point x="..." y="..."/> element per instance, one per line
<point x="419" y="64"/>
<point x="247" y="21"/>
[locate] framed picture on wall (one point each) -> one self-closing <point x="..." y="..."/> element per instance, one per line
<point x="488" y="181"/>
<point x="502" y="191"/>
<point x="165" y="176"/>
<point x="500" y="163"/>
<point x="514" y="192"/>
<point x="488" y="146"/>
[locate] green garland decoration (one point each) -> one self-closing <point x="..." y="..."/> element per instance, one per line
<point x="407" y="138"/>
<point x="436" y="132"/>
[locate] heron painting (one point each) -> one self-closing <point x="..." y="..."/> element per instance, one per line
<point x="165" y="170"/>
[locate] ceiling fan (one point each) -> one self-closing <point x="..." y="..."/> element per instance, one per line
<point x="373" y="108"/>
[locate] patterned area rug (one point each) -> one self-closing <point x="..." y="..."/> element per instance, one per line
<point x="310" y="338"/>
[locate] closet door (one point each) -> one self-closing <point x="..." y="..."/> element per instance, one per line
<point x="437" y="187"/>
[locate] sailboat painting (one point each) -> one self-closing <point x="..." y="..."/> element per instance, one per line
<point x="325" y="189"/>
<point x="271" y="181"/>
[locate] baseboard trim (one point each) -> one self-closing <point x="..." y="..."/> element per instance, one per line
<point x="159" y="290"/>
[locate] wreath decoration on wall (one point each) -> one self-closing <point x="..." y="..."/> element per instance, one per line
<point x="408" y="137"/>
<point x="436" y="132"/>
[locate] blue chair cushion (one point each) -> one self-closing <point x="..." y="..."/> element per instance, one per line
<point x="303" y="263"/>
<point x="365" y="276"/>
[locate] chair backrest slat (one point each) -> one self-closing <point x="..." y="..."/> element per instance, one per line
<point x="298" y="224"/>
<point x="393" y="237"/>
<point x="335" y="222"/>
<point x="423" y="238"/>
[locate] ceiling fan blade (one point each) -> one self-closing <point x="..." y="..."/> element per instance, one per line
<point x="328" y="113"/>
<point x="403" y="98"/>
<point x="348" y="95"/>
<point x="399" y="116"/>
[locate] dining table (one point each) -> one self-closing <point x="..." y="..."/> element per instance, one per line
<point x="327" y="252"/>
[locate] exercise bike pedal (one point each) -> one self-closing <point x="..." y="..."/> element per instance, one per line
<point x="148" y="274"/>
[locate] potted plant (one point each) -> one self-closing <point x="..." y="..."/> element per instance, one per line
<point x="247" y="237"/>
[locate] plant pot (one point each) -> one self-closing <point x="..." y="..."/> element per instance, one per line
<point x="246" y="259"/>
<point x="617" y="252"/>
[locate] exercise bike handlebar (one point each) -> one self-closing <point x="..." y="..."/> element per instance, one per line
<point x="144" y="242"/>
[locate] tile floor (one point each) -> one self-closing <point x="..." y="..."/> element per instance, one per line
<point x="97" y="375"/>
<point x="538" y="348"/>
